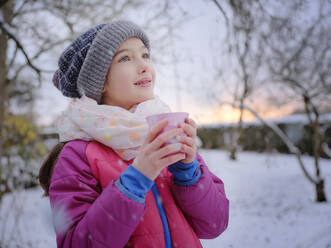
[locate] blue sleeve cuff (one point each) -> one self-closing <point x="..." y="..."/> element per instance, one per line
<point x="134" y="184"/>
<point x="185" y="174"/>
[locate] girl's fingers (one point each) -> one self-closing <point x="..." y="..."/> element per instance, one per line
<point x="186" y="140"/>
<point x="188" y="129"/>
<point x="164" y="137"/>
<point x="172" y="159"/>
<point x="191" y="122"/>
<point x="168" y="149"/>
<point x="190" y="151"/>
<point x="154" y="131"/>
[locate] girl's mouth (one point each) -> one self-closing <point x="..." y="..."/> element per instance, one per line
<point x="145" y="82"/>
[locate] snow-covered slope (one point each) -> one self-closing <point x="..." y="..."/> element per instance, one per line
<point x="271" y="205"/>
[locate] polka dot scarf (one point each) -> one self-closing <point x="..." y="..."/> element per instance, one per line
<point x="120" y="129"/>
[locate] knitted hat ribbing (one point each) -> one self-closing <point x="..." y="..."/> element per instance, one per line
<point x="83" y="66"/>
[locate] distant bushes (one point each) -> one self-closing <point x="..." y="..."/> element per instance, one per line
<point x="255" y="136"/>
<point x="260" y="138"/>
<point x="21" y="150"/>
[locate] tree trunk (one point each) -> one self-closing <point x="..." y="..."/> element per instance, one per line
<point x="320" y="193"/>
<point x="317" y="145"/>
<point x="233" y="152"/>
<point x="236" y="135"/>
<point x="233" y="143"/>
<point x="316" y="140"/>
<point x="318" y="182"/>
<point x="6" y="12"/>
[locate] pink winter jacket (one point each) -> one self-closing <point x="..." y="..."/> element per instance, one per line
<point x="84" y="214"/>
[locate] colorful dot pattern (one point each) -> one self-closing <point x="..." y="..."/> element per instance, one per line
<point x="122" y="130"/>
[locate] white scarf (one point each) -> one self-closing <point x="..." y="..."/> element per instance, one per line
<point x="122" y="130"/>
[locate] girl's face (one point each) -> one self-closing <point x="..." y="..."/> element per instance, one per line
<point x="131" y="76"/>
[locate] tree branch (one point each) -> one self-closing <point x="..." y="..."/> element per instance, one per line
<point x="20" y="9"/>
<point x="326" y="149"/>
<point x="19" y="45"/>
<point x="3" y="2"/>
<point x="293" y="149"/>
<point x="222" y="11"/>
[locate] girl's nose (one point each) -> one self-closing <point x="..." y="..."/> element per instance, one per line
<point x="143" y="70"/>
<point x="142" y="67"/>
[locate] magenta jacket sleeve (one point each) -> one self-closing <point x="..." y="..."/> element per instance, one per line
<point x="204" y="203"/>
<point x="83" y="215"/>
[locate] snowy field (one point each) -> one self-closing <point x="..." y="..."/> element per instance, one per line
<point x="271" y="205"/>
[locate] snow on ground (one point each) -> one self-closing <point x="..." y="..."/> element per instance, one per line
<point x="271" y="205"/>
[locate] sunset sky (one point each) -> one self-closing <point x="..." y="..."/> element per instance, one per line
<point x="194" y="73"/>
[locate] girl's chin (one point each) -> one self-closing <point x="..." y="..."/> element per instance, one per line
<point x="145" y="98"/>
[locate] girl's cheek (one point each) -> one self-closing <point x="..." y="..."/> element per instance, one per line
<point x="124" y="76"/>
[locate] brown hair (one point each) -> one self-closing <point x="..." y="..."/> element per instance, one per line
<point x="47" y="167"/>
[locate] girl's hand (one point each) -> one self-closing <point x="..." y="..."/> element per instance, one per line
<point x="189" y="145"/>
<point x="152" y="157"/>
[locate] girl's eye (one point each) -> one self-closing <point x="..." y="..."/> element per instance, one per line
<point x="123" y="59"/>
<point x="146" y="55"/>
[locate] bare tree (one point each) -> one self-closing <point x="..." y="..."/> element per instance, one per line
<point x="33" y="32"/>
<point x="289" y="53"/>
<point x="303" y="65"/>
<point x="244" y="50"/>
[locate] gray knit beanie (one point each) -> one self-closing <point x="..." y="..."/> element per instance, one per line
<point x="83" y="66"/>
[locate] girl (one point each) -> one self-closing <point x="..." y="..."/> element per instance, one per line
<point x="111" y="181"/>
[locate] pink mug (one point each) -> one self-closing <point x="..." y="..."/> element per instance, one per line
<point x="174" y="119"/>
